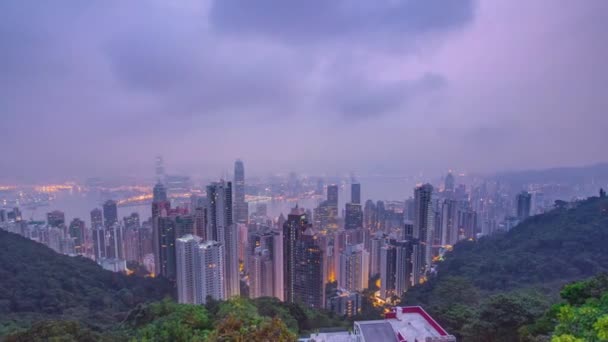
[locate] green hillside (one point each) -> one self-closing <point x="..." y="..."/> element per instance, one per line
<point x="490" y="289"/>
<point x="37" y="284"/>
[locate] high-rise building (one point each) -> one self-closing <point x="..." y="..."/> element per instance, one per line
<point x="388" y="267"/>
<point x="376" y="245"/>
<point x="187" y="261"/>
<point x="55" y="218"/>
<point x="449" y="182"/>
<point x="199" y="270"/>
<point x="131" y="221"/>
<point x="164" y="241"/>
<point x="332" y="195"/>
<point x="354" y="216"/>
<point x="261" y="280"/>
<point x="424" y="221"/>
<point x="354" y="268"/>
<point x="114" y="241"/>
<point x="355" y="193"/>
<point x="110" y="213"/>
<point x="449" y="222"/>
<point x="160" y="169"/>
<point x="96" y="218"/>
<point x="221" y="228"/>
<point x="369" y="216"/>
<point x="78" y="234"/>
<point x="293" y="229"/>
<point x="241" y="209"/>
<point x="404" y="266"/>
<point x="380" y="216"/>
<point x="309" y="281"/>
<point x="524" y="201"/>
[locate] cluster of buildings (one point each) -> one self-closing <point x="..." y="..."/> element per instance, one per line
<point x="322" y="257"/>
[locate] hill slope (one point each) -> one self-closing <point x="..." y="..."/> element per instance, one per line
<point x="515" y="276"/>
<point x="36" y="283"/>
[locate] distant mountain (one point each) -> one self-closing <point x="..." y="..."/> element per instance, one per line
<point x="568" y="175"/>
<point x="38" y="284"/>
<point x="488" y="289"/>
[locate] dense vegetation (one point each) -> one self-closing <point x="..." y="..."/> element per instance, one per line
<point x="494" y="288"/>
<point x="38" y="284"/>
<point x="46" y="296"/>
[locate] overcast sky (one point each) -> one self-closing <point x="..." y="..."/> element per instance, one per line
<point x="99" y="87"/>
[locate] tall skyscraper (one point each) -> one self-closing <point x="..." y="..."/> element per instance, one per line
<point x="403" y="266"/>
<point x="187" y="261"/>
<point x="241" y="209"/>
<point x="160" y="169"/>
<point x="55" y="218"/>
<point x="449" y="222"/>
<point x="354" y="268"/>
<point x="332" y="195"/>
<point x="164" y="255"/>
<point x="200" y="270"/>
<point x="354" y="216"/>
<point x="309" y="281"/>
<point x="221" y="228"/>
<point x="98" y="233"/>
<point x="77" y="232"/>
<point x="388" y="267"/>
<point x="424" y="221"/>
<point x="355" y="193"/>
<point x="524" y="202"/>
<point x="110" y="213"/>
<point x="369" y="215"/>
<point x="293" y="229"/>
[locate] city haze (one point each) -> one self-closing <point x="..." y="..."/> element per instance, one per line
<point x="98" y="88"/>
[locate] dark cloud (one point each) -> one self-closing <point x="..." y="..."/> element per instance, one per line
<point x="320" y="20"/>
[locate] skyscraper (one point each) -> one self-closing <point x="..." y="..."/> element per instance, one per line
<point x="199" y="270"/>
<point x="354" y="216"/>
<point x="110" y="213"/>
<point x="354" y="268"/>
<point x="449" y="182"/>
<point x="524" y="200"/>
<point x="78" y="234"/>
<point x="55" y="218"/>
<point x="241" y="210"/>
<point x="388" y="264"/>
<point x="293" y="229"/>
<point x="98" y="233"/>
<point x="309" y="281"/>
<point x="355" y="193"/>
<point x="332" y="195"/>
<point x="186" y="253"/>
<point x="164" y="254"/>
<point x="423" y="221"/>
<point x="221" y="228"/>
<point x="160" y="169"/>
<point x="449" y="222"/>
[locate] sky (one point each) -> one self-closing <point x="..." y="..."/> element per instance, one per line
<point x="99" y="87"/>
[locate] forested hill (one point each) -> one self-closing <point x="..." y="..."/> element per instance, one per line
<point x="36" y="283"/>
<point x="515" y="276"/>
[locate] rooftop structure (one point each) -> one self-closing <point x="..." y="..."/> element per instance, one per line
<point x="401" y="324"/>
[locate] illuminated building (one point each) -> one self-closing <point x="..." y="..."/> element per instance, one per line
<point x="110" y="213"/>
<point x="354" y="268"/>
<point x="220" y="228"/>
<point x="241" y="210"/>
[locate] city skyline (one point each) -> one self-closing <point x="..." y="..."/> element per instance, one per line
<point x="410" y="88"/>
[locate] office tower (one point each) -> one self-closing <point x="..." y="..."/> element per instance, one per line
<point x="524" y="199"/>
<point x="164" y="254"/>
<point x="278" y="265"/>
<point x="369" y="215"/>
<point x="403" y="266"/>
<point x="160" y="169"/>
<point x="332" y="195"/>
<point x="449" y="222"/>
<point x="55" y="218"/>
<point x="309" y="281"/>
<point x="423" y="221"/>
<point x="110" y="213"/>
<point x="354" y="268"/>
<point x="408" y="230"/>
<point x="376" y="245"/>
<point x="221" y="228"/>
<point x="96" y="218"/>
<point x="449" y="182"/>
<point x="380" y="216"/>
<point x="78" y="234"/>
<point x="187" y="267"/>
<point x="131" y="221"/>
<point x="355" y="193"/>
<point x="388" y="266"/>
<point x="293" y="229"/>
<point x="114" y="241"/>
<point x="241" y="210"/>
<point x="354" y="216"/>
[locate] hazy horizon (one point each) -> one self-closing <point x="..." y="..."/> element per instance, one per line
<point x="98" y="88"/>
